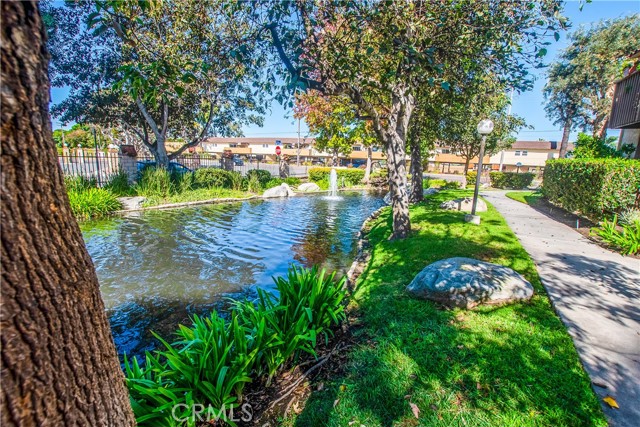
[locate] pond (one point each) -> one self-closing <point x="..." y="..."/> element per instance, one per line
<point x="157" y="268"/>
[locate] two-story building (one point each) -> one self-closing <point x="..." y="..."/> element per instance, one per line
<point x="625" y="108"/>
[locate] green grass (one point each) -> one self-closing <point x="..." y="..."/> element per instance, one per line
<point x="526" y="197"/>
<point x="196" y="195"/>
<point x="507" y="366"/>
<point x="92" y="203"/>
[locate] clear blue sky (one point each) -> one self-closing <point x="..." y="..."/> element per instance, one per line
<point x="530" y="105"/>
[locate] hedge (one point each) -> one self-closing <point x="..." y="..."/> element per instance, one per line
<point x="593" y="187"/>
<point x="513" y="180"/>
<point x="350" y="176"/>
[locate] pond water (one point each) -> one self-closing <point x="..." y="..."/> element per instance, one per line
<point x="157" y="268"/>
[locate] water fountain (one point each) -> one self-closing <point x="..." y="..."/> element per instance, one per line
<point x="333" y="185"/>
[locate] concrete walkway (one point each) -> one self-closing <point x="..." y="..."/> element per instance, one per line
<point x="597" y="294"/>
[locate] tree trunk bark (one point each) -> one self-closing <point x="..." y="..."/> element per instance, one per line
<point x="602" y="131"/>
<point x="564" y="144"/>
<point x="160" y="154"/>
<point x="59" y="363"/>
<point x="367" y="170"/>
<point x="396" y="165"/>
<point x="466" y="165"/>
<point x="417" y="193"/>
<point x="335" y="157"/>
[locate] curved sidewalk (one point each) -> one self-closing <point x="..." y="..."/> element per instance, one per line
<point x="596" y="293"/>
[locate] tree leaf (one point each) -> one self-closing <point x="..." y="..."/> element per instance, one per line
<point x="415" y="409"/>
<point x="611" y="402"/>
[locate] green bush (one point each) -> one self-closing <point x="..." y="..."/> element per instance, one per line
<point x="154" y="182"/>
<point x="119" y="184"/>
<point x="511" y="180"/>
<point x="273" y="182"/>
<point x="79" y="183"/>
<point x="471" y="177"/>
<point x="237" y="181"/>
<point x="437" y="183"/>
<point x="593" y="187"/>
<point x="92" y="203"/>
<point x="348" y="177"/>
<point x="253" y="183"/>
<point x="262" y="175"/>
<point x="183" y="182"/>
<point x="451" y="185"/>
<point x="213" y="359"/>
<point x="624" y="237"/>
<point x="292" y="181"/>
<point x="213" y="177"/>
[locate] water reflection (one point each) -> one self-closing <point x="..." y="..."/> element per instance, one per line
<point x="158" y="268"/>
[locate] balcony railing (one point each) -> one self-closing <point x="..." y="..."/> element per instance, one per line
<point x="625" y="111"/>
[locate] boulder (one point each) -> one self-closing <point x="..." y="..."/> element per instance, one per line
<point x="467" y="282"/>
<point x="464" y="205"/>
<point x="130" y="203"/>
<point x="282" y="190"/>
<point x="308" y="187"/>
<point x="430" y="191"/>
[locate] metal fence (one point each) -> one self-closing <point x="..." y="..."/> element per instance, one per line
<point x="101" y="167"/>
<point x="104" y="166"/>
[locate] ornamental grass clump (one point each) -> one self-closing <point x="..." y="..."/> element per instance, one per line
<point x="92" y="203"/>
<point x="214" y="359"/>
<point x="624" y="236"/>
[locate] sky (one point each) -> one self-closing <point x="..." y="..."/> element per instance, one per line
<point x="279" y="120"/>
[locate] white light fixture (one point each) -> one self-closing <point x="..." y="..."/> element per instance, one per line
<point x="485" y="127"/>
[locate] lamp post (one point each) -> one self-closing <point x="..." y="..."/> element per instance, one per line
<point x="484" y="128"/>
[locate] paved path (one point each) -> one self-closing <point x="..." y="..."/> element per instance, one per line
<point x="597" y="294"/>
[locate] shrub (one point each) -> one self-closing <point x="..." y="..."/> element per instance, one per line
<point x="237" y="181"/>
<point x="79" y="183"/>
<point x="451" y="185"/>
<point x="292" y="181"/>
<point x="119" y="184"/>
<point x="253" y="183"/>
<point x="471" y="177"/>
<point x="154" y="182"/>
<point x="262" y="175"/>
<point x="437" y="183"/>
<point x="213" y="177"/>
<point x="593" y="187"/>
<point x="92" y="203"/>
<point x="213" y="359"/>
<point x="624" y="237"/>
<point x="512" y="180"/>
<point x="347" y="176"/>
<point x="273" y="182"/>
<point x="184" y="182"/>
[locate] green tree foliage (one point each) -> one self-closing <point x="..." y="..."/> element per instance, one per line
<point x="379" y="53"/>
<point x="579" y="91"/>
<point x="594" y="147"/>
<point x="169" y="69"/>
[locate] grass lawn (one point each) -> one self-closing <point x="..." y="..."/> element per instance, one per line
<point x="526" y="197"/>
<point x="197" y="195"/>
<point x="509" y="366"/>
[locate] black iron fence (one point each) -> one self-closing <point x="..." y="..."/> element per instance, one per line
<point x="103" y="166"/>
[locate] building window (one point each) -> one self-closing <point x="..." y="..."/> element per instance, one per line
<point x="356" y="148"/>
<point x="524" y="153"/>
<point x="233" y="145"/>
<point x="517" y="152"/>
<point x="265" y="145"/>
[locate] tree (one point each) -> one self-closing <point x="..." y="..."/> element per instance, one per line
<point x="481" y="97"/>
<point x="594" y="147"/>
<point x="379" y="53"/>
<point x="178" y="70"/>
<point x="581" y="82"/>
<point x="59" y="363"/>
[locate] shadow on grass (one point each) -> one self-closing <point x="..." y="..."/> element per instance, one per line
<point x="506" y="366"/>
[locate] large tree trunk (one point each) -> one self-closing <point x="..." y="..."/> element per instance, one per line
<point x="466" y="164"/>
<point x="417" y="193"/>
<point x="59" y="363"/>
<point x="335" y="157"/>
<point x="367" y="170"/>
<point x="396" y="164"/>
<point x="564" y="144"/>
<point x="160" y="154"/>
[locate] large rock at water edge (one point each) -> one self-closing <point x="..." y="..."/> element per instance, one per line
<point x="464" y="205"/>
<point x="467" y="282"/>
<point x="308" y="187"/>
<point x="430" y="191"/>
<point x="131" y="203"/>
<point x="282" y="190"/>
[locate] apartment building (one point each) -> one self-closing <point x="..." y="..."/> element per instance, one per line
<point x="265" y="149"/>
<point x="522" y="156"/>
